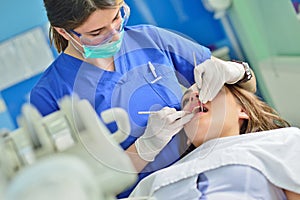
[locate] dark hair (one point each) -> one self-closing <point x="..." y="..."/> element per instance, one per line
<point x="70" y="14"/>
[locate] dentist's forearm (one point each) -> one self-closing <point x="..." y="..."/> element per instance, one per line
<point x="137" y="161"/>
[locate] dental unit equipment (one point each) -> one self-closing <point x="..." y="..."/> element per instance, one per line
<point x="74" y="134"/>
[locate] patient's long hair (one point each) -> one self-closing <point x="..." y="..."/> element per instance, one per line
<point x="262" y="117"/>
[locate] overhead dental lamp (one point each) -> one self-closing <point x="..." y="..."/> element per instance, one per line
<point x="217" y="6"/>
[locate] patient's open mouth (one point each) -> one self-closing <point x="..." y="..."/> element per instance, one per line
<point x="198" y="109"/>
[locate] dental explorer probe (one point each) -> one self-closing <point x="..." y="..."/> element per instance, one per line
<point x="195" y="64"/>
<point x="147" y="112"/>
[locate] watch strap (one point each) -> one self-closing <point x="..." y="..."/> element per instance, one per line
<point x="248" y="73"/>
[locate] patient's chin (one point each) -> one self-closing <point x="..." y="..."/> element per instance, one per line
<point x="193" y="132"/>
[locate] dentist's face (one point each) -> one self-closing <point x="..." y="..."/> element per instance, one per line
<point x="221" y="117"/>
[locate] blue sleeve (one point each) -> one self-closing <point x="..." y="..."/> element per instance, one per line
<point x="180" y="49"/>
<point x="42" y="100"/>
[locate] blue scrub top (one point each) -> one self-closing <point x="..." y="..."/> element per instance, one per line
<point x="131" y="86"/>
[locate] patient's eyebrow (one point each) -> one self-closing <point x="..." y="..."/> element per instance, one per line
<point x="184" y="102"/>
<point x="185" y="98"/>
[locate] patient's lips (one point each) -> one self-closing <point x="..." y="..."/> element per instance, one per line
<point x="195" y="105"/>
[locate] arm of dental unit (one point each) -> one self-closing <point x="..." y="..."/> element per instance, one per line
<point x="69" y="154"/>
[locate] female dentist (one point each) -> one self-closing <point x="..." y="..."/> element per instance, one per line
<point x="137" y="68"/>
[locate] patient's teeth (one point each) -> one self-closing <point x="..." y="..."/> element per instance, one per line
<point x="196" y="109"/>
<point x="199" y="109"/>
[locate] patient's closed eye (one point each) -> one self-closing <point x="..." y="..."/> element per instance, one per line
<point x="184" y="102"/>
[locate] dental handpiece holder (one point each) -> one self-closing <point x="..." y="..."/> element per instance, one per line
<point x="74" y="130"/>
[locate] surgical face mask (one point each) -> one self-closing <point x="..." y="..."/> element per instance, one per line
<point x="103" y="50"/>
<point x="106" y="50"/>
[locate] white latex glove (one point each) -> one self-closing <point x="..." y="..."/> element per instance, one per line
<point x="212" y="74"/>
<point x="161" y="127"/>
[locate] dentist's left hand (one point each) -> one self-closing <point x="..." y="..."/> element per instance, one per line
<point x="161" y="127"/>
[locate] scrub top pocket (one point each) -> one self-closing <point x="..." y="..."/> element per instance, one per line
<point x="165" y="84"/>
<point x="138" y="90"/>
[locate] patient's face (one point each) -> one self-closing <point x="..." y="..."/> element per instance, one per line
<point x="221" y="117"/>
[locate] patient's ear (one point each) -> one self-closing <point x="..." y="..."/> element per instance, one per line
<point x="243" y="114"/>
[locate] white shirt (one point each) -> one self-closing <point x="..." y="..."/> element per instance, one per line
<point x="237" y="182"/>
<point x="273" y="154"/>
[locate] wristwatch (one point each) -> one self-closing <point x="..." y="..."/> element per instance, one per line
<point x="248" y="73"/>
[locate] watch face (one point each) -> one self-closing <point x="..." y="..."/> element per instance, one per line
<point x="248" y="74"/>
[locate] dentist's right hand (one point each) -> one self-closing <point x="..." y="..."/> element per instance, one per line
<point x="212" y="74"/>
<point x="161" y="127"/>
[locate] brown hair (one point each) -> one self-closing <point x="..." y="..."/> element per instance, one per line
<point x="69" y="14"/>
<point x="262" y="117"/>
